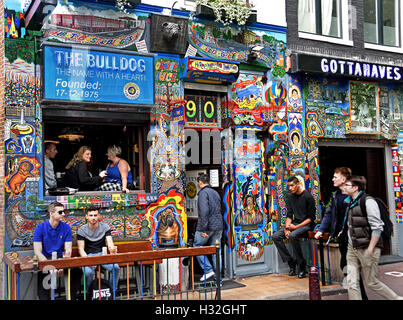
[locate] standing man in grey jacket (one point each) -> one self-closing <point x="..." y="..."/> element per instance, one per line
<point x="209" y="225"/>
<point x="364" y="241"/>
<point x="50" y="153"/>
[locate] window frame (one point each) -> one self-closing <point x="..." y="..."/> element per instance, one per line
<point x="344" y="28"/>
<point x="383" y="47"/>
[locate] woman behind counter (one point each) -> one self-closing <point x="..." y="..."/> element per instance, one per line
<point x="77" y="175"/>
<point x="118" y="174"/>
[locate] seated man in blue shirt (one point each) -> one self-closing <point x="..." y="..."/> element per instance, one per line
<point x="50" y="236"/>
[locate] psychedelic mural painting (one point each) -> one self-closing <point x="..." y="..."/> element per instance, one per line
<point x="23" y="158"/>
<point x="397" y="187"/>
<point x="228" y="195"/>
<point x="327" y="107"/>
<point x="213" y="40"/>
<point x="95" y="24"/>
<point x="248" y="106"/>
<point x="124" y="213"/>
<point x="249" y="195"/>
<point x="14" y="24"/>
<point x="391" y="110"/>
<point x="257" y="104"/>
<point x="250" y="246"/>
<point x="167" y="220"/>
<point x="166" y="154"/>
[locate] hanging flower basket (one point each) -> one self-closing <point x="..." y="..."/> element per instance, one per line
<point x="226" y="11"/>
<point x="122" y="5"/>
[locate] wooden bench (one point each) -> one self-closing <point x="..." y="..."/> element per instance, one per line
<point x="127" y="247"/>
<point x="128" y="253"/>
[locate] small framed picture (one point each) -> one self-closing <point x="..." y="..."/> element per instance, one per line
<point x="364" y="107"/>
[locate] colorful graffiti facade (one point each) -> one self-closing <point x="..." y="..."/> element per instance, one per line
<point x="257" y="102"/>
<point x="95" y="24"/>
<point x="131" y="217"/>
<point x="167" y="154"/>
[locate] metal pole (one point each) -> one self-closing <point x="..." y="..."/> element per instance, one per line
<point x="218" y="271"/>
<point x="322" y="261"/>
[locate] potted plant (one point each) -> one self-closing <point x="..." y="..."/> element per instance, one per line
<point x="121" y="5"/>
<point x="227" y="11"/>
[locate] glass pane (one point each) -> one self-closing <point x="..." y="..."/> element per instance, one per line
<point x="330" y="18"/>
<point x="306" y="16"/>
<point x="389" y="23"/>
<point x="370" y="30"/>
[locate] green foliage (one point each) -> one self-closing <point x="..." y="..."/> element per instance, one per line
<point x="19" y="48"/>
<point x="278" y="71"/>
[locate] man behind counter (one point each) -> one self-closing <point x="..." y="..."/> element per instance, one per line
<point x="50" y="153"/>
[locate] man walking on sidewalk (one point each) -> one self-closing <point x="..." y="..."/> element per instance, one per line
<point x="300" y="217"/>
<point x="209" y="225"/>
<point x="364" y="241"/>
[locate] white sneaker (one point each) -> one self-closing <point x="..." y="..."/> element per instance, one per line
<point x="207" y="276"/>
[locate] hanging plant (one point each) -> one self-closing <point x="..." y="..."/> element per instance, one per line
<point x="121" y="4"/>
<point x="229" y="11"/>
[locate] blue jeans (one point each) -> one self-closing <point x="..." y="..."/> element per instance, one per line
<point x="90" y="271"/>
<point x="199" y="241"/>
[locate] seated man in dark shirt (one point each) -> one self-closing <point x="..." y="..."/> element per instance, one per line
<point x="91" y="238"/>
<point x="300" y="217"/>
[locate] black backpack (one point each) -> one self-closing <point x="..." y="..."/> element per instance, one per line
<point x="105" y="290"/>
<point x="384" y="212"/>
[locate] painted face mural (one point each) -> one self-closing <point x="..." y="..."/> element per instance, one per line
<point x="167" y="219"/>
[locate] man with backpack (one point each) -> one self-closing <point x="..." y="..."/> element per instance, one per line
<point x="364" y="240"/>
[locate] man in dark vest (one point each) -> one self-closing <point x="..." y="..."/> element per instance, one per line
<point x="333" y="218"/>
<point x="364" y="241"/>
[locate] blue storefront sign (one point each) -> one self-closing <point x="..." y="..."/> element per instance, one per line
<point x="79" y="74"/>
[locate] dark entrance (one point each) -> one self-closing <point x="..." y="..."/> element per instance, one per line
<point x="363" y="161"/>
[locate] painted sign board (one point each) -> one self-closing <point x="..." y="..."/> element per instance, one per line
<point x="80" y="74"/>
<point x="344" y="67"/>
<point x="209" y="70"/>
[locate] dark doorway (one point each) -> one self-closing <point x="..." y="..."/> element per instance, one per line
<point x="368" y="162"/>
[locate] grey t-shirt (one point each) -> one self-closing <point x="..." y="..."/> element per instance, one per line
<point x="50" y="180"/>
<point x="94" y="240"/>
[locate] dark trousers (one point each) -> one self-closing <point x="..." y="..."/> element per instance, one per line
<point x="44" y="283"/>
<point x="294" y="238"/>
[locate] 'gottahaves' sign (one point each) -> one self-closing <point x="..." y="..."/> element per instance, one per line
<point x="87" y="75"/>
<point x="333" y="66"/>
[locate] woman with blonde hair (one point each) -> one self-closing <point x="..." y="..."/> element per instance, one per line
<point x="118" y="174"/>
<point x="77" y="175"/>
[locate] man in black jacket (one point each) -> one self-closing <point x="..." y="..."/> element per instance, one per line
<point x="300" y="217"/>
<point x="209" y="225"/>
<point x="333" y="218"/>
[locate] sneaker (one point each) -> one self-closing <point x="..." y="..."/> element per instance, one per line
<point x="207" y="276"/>
<point x="302" y="274"/>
